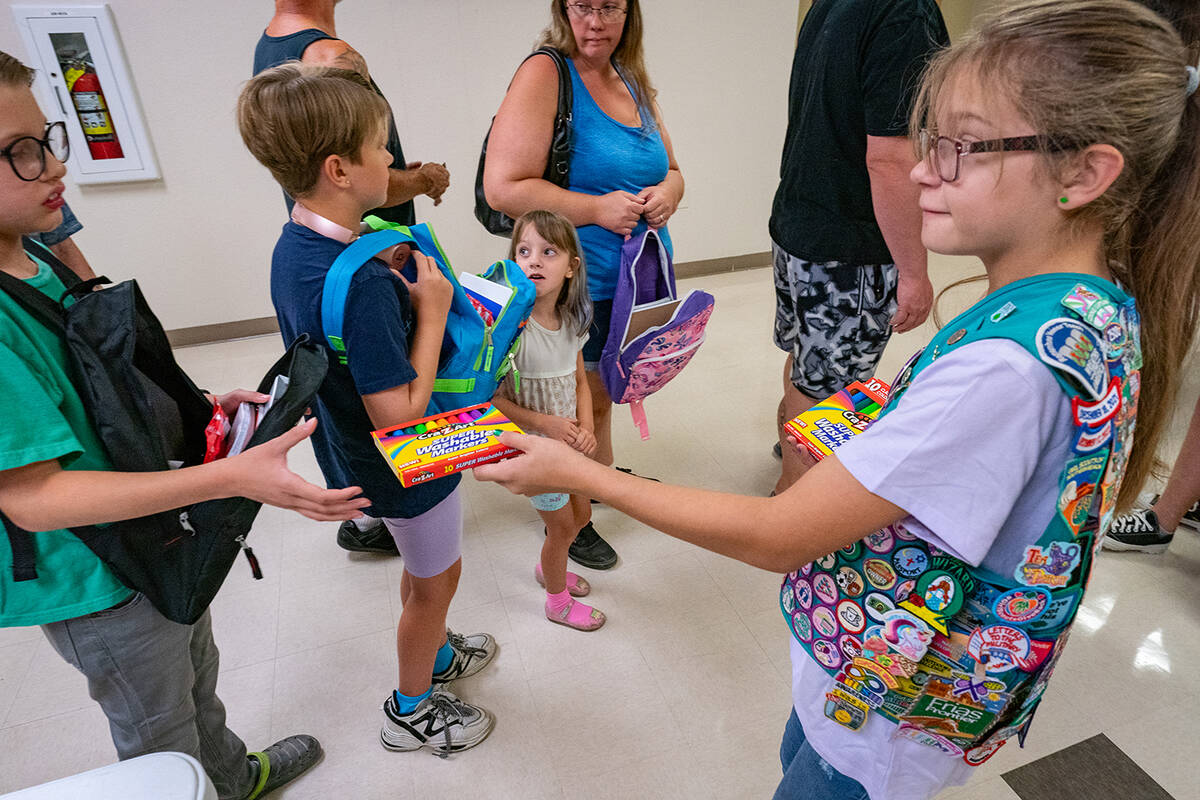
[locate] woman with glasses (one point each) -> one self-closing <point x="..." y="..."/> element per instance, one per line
<point x="623" y="174"/>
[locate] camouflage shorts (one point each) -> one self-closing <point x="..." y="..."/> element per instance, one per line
<point x="834" y="320"/>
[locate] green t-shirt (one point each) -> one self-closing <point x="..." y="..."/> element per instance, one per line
<point x="44" y="419"/>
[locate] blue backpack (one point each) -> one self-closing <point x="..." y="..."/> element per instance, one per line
<point x="475" y="355"/>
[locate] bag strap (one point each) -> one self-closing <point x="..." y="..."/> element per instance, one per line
<point x="24" y="566"/>
<point x="566" y="95"/>
<point x="337" y="281"/>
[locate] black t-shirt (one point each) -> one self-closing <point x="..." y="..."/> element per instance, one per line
<point x="855" y="73"/>
<point x="272" y="51"/>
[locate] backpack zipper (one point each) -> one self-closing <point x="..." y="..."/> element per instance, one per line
<point x="255" y="570"/>
<point x="649" y="359"/>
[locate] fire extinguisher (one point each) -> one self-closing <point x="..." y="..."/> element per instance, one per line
<point x="94" y="117"/>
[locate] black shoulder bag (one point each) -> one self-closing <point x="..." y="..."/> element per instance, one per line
<point x="558" y="163"/>
<point x="147" y="413"/>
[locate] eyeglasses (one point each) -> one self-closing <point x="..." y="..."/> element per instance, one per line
<point x="945" y="154"/>
<point x="27" y="155"/>
<point x="606" y="13"/>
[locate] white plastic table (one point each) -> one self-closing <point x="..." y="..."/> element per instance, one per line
<point x="157" y="776"/>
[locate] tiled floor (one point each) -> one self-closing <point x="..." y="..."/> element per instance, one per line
<point x="684" y="692"/>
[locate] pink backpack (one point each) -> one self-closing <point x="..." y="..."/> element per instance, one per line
<point x="653" y="334"/>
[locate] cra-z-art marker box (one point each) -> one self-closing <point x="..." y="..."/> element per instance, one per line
<point x="830" y="423"/>
<point x="440" y="445"/>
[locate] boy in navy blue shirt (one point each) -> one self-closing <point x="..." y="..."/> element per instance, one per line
<point x="322" y="133"/>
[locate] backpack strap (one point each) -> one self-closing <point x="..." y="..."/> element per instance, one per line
<point x="337" y="281"/>
<point x="24" y="567"/>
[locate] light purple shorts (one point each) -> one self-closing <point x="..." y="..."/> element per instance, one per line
<point x="431" y="542"/>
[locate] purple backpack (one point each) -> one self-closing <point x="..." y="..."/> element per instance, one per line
<point x="653" y="334"/>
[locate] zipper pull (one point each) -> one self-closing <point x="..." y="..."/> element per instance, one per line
<point x="255" y="570"/>
<point x="516" y="373"/>
<point x="185" y="523"/>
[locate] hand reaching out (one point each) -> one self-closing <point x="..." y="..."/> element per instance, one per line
<point x="261" y="473"/>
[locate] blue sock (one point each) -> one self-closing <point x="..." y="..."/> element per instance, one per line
<point x="444" y="656"/>
<point x="405" y="704"/>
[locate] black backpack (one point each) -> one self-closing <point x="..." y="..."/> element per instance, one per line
<point x="147" y="412"/>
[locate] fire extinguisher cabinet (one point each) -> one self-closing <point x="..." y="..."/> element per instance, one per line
<point x="84" y="80"/>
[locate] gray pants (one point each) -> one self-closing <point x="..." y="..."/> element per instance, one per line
<point x="156" y="681"/>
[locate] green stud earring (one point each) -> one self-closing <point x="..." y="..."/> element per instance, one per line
<point x="1062" y="199"/>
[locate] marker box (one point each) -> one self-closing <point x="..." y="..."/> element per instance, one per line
<point x="442" y="444"/>
<point x="835" y="419"/>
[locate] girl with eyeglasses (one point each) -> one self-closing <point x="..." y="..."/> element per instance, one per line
<point x="935" y="562"/>
<point x="623" y="173"/>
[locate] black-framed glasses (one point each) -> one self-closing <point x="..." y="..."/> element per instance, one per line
<point x="607" y="12"/>
<point x="27" y="155"/>
<point x="945" y="154"/>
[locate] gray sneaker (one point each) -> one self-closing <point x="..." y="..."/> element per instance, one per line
<point x="441" y="722"/>
<point x="472" y="653"/>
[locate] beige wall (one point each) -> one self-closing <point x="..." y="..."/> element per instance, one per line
<point x="200" y="240"/>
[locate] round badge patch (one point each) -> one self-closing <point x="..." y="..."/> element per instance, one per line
<point x="940" y="593"/>
<point x="878" y="605"/>
<point x="902" y="532"/>
<point x="850" y="582"/>
<point x="827" y="654"/>
<point x="802" y="590"/>
<point x="879" y="573"/>
<point x="1022" y="605"/>
<point x="851" y="552"/>
<point x="802" y="627"/>
<point x="880" y="541"/>
<point x="851" y="616"/>
<point x="999" y="648"/>
<point x="904" y="590"/>
<point x="910" y="561"/>
<point x="850" y="646"/>
<point x="827" y="562"/>
<point x="806" y="569"/>
<point x="823" y="622"/>
<point x="825" y="587"/>
<point x="787" y="598"/>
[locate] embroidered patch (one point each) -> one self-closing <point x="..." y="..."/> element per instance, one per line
<point x="1087" y="440"/>
<point x="1002" y="312"/>
<point x="825" y="587"/>
<point x="1095" y="310"/>
<point x="851" y="616"/>
<point x="937" y="597"/>
<point x="1059" y="612"/>
<point x="1071" y="347"/>
<point x="827" y="654"/>
<point x="802" y="627"/>
<point x="803" y="593"/>
<point x="880" y="541"/>
<point x="909" y="731"/>
<point x="1077" y="489"/>
<point x="1050" y="567"/>
<point x="845" y="709"/>
<point x="823" y="622"/>
<point x="977" y="755"/>
<point x="879" y="573"/>
<point x="850" y="581"/>
<point x="1101" y="411"/>
<point x="1022" y="606"/>
<point x="878" y="605"/>
<point x="999" y="648"/>
<point x="910" y="561"/>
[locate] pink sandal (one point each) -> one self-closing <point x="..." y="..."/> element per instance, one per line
<point x="577" y="585"/>
<point x="579" y="616"/>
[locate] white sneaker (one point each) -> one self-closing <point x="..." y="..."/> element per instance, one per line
<point x="472" y="652"/>
<point x="441" y="722"/>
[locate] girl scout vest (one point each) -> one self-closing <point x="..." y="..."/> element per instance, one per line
<point x="958" y="656"/>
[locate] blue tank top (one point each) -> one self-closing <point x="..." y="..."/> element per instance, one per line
<point x="271" y="51"/>
<point x="607" y="156"/>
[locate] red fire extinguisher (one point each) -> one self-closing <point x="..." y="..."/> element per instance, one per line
<point x="94" y="117"/>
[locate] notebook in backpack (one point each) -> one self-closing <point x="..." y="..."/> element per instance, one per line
<point x="653" y="333"/>
<point x="475" y="355"/>
<point x="147" y="413"/>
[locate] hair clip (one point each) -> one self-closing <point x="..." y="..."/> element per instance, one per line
<point x="1193" y="76"/>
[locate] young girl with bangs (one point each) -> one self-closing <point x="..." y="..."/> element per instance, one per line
<point x="552" y="397"/>
<point x="936" y="561"/>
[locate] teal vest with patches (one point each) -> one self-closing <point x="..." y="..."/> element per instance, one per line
<point x="958" y="656"/>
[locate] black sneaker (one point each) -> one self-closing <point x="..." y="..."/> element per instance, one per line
<point x="589" y="550"/>
<point x="372" y="540"/>
<point x="282" y="763"/>
<point x="1191" y="517"/>
<point x="1138" y="530"/>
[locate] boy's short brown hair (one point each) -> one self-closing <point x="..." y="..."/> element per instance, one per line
<point x="13" y="72"/>
<point x="294" y="116"/>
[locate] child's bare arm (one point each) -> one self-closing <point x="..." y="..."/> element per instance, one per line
<point x="583" y="395"/>
<point x="823" y="511"/>
<point x="43" y="496"/>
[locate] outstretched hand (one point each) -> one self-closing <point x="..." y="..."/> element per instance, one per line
<point x="261" y="473"/>
<point x="546" y="465"/>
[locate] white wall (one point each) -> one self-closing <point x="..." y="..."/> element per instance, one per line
<point x="199" y="240"/>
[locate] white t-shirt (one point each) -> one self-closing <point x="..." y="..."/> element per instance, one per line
<point x="546" y="361"/>
<point x="973" y="453"/>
